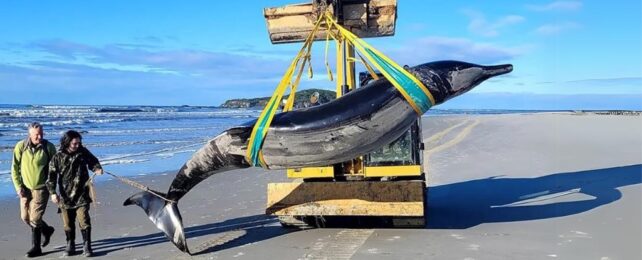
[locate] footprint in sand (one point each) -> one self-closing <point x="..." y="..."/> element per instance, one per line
<point x="580" y="234"/>
<point x="473" y="247"/>
<point x="457" y="236"/>
<point x="575" y="234"/>
<point x="394" y="238"/>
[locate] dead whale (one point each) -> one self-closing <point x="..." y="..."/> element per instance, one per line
<point x="355" y="124"/>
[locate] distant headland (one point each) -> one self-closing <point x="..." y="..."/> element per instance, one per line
<point x="302" y="99"/>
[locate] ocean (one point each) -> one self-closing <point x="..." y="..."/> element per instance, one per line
<point x="132" y="140"/>
<point x="128" y="140"/>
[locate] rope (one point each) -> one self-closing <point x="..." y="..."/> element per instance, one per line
<point x="139" y="186"/>
<point x="92" y="190"/>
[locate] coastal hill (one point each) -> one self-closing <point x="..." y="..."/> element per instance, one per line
<point x="302" y="99"/>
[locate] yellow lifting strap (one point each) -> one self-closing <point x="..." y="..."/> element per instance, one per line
<point x="410" y="87"/>
<point x="254" y="155"/>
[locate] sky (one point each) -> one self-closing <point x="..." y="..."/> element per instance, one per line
<point x="566" y="54"/>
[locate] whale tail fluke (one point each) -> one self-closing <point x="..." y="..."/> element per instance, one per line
<point x="163" y="214"/>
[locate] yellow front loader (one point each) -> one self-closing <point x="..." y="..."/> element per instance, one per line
<point x="386" y="186"/>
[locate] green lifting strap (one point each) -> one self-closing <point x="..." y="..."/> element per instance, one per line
<point x="410" y="87"/>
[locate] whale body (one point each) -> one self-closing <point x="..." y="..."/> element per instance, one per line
<point x="355" y="124"/>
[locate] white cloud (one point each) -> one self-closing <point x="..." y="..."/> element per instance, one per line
<point x="554" y="29"/>
<point x="443" y="48"/>
<point x="557" y="6"/>
<point x="179" y="61"/>
<point x="479" y="25"/>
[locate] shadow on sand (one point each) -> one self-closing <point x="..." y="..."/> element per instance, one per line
<point x="470" y="203"/>
<point x="234" y="232"/>
<point x="452" y="206"/>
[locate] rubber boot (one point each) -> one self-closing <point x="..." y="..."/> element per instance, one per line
<point x="47" y="231"/>
<point x="86" y="246"/>
<point x="71" y="243"/>
<point x="35" y="243"/>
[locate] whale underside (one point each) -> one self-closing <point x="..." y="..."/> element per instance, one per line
<point x="355" y="124"/>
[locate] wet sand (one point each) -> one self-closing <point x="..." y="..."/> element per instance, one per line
<point x="522" y="186"/>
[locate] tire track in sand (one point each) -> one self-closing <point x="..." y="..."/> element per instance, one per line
<point x="211" y="245"/>
<point x="341" y="246"/>
<point x="439" y="136"/>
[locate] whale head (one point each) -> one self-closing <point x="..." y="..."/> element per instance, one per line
<point x="448" y="79"/>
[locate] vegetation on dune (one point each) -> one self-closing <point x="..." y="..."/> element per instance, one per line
<point x="301" y="99"/>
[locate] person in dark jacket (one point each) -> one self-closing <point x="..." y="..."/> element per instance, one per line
<point x="68" y="170"/>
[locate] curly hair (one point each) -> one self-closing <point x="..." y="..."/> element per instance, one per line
<point x="66" y="139"/>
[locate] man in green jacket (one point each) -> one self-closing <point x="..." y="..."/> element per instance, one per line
<point x="29" y="171"/>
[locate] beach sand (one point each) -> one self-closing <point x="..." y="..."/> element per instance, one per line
<point x="517" y="186"/>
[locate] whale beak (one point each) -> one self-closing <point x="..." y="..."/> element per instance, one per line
<point x="448" y="79"/>
<point x="496" y="70"/>
<point x="463" y="79"/>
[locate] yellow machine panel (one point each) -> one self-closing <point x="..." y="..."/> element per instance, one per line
<point x="293" y="23"/>
<point x="360" y="198"/>
<point x="387" y="171"/>
<point x="311" y="172"/>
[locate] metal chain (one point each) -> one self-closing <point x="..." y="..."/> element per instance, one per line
<point x="321" y="6"/>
